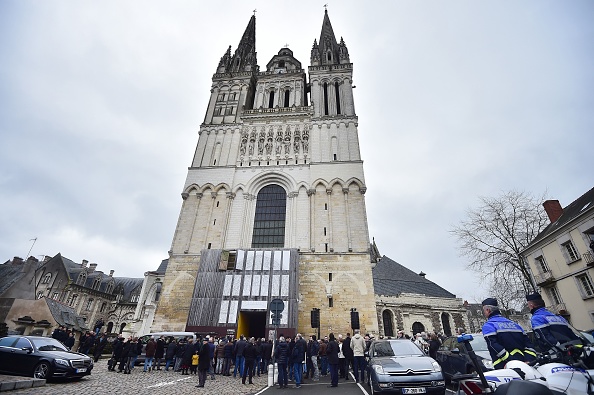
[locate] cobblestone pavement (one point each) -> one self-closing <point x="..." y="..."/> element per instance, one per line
<point x="102" y="381"/>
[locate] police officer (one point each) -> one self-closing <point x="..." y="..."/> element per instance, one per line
<point x="550" y="330"/>
<point x="505" y="339"/>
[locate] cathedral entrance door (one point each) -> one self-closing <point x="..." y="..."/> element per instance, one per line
<point x="252" y="324"/>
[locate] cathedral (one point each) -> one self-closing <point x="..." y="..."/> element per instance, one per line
<point x="273" y="205"/>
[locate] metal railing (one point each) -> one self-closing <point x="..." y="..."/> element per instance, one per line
<point x="588" y="257"/>
<point x="544" y="278"/>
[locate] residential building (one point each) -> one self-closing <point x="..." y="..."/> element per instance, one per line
<point x="562" y="262"/>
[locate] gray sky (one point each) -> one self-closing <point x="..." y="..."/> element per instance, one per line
<point x="100" y="104"/>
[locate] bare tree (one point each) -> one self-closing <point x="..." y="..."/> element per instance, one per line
<point x="492" y="237"/>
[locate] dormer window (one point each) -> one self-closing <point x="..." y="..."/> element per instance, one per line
<point x="97" y="283"/>
<point x="82" y="278"/>
<point x="109" y="288"/>
<point x="47" y="278"/>
<point x="281" y="63"/>
<point x="134" y="298"/>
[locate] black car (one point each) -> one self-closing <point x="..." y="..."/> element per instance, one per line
<point x="41" y="357"/>
<point x="454" y="359"/>
<point x="399" y="366"/>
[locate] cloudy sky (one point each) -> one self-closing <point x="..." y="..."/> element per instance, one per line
<point x="100" y="104"/>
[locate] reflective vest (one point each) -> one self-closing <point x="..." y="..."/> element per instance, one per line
<point x="506" y="341"/>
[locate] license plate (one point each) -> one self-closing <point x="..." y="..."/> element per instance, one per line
<point x="83" y="370"/>
<point x="413" y="390"/>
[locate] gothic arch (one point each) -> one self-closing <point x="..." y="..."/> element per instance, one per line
<point x="318" y="182"/>
<point x="260" y="181"/>
<point x="336" y="181"/>
<point x="355" y="181"/>
<point x="192" y="188"/>
<point x="302" y="184"/>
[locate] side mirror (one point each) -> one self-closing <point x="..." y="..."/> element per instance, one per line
<point x="28" y="349"/>
<point x="456" y="351"/>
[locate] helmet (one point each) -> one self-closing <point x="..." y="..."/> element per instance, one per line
<point x="527" y="372"/>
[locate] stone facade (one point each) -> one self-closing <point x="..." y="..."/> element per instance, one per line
<point x="272" y="127"/>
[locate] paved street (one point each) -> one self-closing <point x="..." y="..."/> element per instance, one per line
<point x="102" y="381"/>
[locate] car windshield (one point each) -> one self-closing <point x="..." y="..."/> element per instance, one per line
<point x="396" y="348"/>
<point x="478" y="343"/>
<point x="48" y="344"/>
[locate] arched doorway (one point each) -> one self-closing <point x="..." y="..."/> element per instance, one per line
<point x="387" y="320"/>
<point x="122" y="327"/>
<point x="109" y="327"/>
<point x="445" y="323"/>
<point x="417" y="327"/>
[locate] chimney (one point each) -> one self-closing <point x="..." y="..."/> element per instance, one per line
<point x="46" y="258"/>
<point x="553" y="209"/>
<point x="17" y="260"/>
<point x="84" y="263"/>
<point x="111" y="273"/>
<point x="92" y="267"/>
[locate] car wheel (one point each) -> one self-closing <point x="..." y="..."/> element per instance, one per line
<point x="42" y="371"/>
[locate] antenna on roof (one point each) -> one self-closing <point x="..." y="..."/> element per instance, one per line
<point x="33" y="240"/>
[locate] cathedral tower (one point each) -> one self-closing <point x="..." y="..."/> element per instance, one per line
<point x="273" y="204"/>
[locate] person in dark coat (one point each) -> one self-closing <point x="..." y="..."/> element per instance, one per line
<point x="124" y="358"/>
<point x="239" y="359"/>
<point x="266" y="354"/>
<point x="281" y="355"/>
<point x="116" y="355"/>
<point x="159" y="352"/>
<point x="250" y="353"/>
<point x="151" y="348"/>
<point x="189" y="351"/>
<point x="70" y="341"/>
<point x="89" y="342"/>
<point x="332" y="354"/>
<point x="434" y="345"/>
<point x="203" y="362"/>
<point x="132" y="355"/>
<point x="170" y="354"/>
<point x="179" y="355"/>
<point x="100" y="344"/>
<point x="228" y="355"/>
<point x="349" y="356"/>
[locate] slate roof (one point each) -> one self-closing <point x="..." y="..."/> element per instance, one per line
<point x="10" y="274"/>
<point x="65" y="315"/>
<point x="578" y="207"/>
<point x="391" y="279"/>
<point x="162" y="267"/>
<point x="128" y="285"/>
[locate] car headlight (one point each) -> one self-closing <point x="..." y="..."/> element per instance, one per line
<point x="379" y="369"/>
<point x="488" y="363"/>
<point x="436" y="366"/>
<point x="62" y="362"/>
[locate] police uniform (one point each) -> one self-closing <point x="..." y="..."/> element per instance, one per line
<point x="506" y="340"/>
<point x="550" y="329"/>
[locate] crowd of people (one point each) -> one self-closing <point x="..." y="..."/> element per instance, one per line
<point x="299" y="359"/>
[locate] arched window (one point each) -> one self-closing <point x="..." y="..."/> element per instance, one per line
<point x="287" y="93"/>
<point x="445" y="323"/>
<point x="109" y="288"/>
<point x="97" y="283"/>
<point x="417" y="327"/>
<point x="387" y="319"/>
<point x="271" y="99"/>
<point x="325" y="98"/>
<point x="122" y="327"/>
<point x="337" y="97"/>
<point x="47" y="278"/>
<point x="109" y="327"/>
<point x="269" y="221"/>
<point x="82" y="278"/>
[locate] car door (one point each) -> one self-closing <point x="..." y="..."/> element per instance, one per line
<point x="444" y="354"/>
<point x="6" y="344"/>
<point x="24" y="358"/>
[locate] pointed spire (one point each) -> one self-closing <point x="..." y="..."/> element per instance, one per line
<point x="244" y="58"/>
<point x="328" y="47"/>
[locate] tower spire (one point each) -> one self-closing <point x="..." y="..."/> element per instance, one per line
<point x="328" y="51"/>
<point x="244" y="58"/>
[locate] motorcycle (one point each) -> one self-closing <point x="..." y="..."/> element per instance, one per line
<point x="560" y="371"/>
